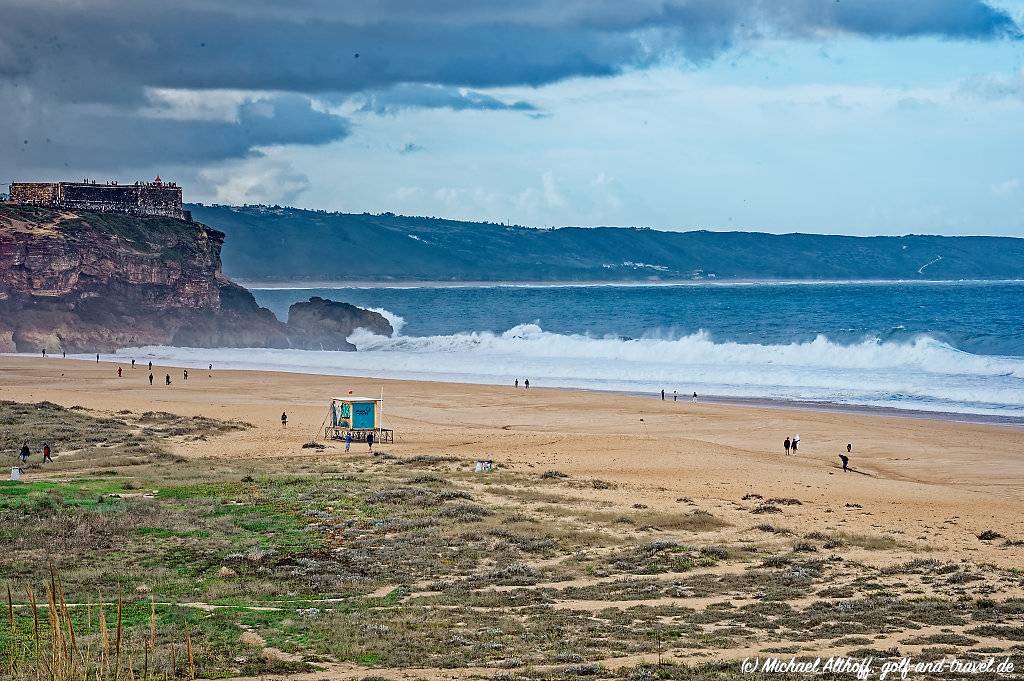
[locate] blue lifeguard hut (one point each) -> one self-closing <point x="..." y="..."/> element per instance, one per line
<point x="359" y="416"/>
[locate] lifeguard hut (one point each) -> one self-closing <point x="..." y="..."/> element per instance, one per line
<point x="359" y="416"/>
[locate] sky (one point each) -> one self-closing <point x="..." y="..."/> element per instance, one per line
<point x="830" y="116"/>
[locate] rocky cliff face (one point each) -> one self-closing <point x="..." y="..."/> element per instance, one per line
<point x="91" y="282"/>
<point x="322" y="324"/>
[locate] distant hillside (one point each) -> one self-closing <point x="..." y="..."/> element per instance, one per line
<point x="271" y="244"/>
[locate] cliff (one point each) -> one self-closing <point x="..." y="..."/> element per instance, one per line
<point x="95" y="282"/>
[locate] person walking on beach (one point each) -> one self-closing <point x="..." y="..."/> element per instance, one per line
<point x="348" y="441"/>
<point x="846" y="461"/>
<point x="796" y="442"/>
<point x="675" y="396"/>
<point x="517" y="382"/>
<point x="184" y="375"/>
<point x="150" y="365"/>
<point x="694" y="398"/>
<point x="167" y="379"/>
<point x="44" y="353"/>
<point x="151" y="378"/>
<point x="25" y="453"/>
<point x="786" y="445"/>
<point x="662" y="394"/>
<point x="97" y="358"/>
<point x="119" y="372"/>
<point x="64" y="354"/>
<point x="133" y="362"/>
<point x="849" y="447"/>
<point x="284" y="419"/>
<point x="369" y="441"/>
<point x="526" y="384"/>
<point x="46" y="453"/>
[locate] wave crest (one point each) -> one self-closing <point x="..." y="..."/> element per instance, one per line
<point x="924" y="353"/>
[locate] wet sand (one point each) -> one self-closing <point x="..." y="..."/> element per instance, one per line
<point x="930" y="484"/>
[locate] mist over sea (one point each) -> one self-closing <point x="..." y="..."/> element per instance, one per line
<point x="948" y="347"/>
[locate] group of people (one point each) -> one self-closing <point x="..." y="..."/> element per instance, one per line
<point x="26" y="453"/>
<point x="526" y="383"/>
<point x="675" y="396"/>
<point x="348" y="441"/>
<point x="167" y="377"/>
<point x="793" y="445"/>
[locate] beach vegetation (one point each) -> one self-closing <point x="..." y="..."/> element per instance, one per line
<point x="412" y="561"/>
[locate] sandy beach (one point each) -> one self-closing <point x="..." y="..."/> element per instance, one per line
<point x="929" y="484"/>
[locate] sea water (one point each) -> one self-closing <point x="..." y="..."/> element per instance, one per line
<point x="943" y="347"/>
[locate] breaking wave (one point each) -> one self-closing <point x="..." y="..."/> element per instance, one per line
<point x="923" y="373"/>
<point x="530" y="340"/>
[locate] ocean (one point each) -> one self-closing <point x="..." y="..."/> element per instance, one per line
<point x="954" y="347"/>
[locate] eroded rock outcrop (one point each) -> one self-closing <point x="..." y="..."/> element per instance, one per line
<point x="91" y="282"/>
<point x="322" y="324"/>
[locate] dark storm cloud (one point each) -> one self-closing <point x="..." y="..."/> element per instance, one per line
<point x="108" y="49"/>
<point x="78" y="73"/>
<point x="93" y="137"/>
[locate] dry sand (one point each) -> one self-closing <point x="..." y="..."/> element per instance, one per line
<point x="931" y="484"/>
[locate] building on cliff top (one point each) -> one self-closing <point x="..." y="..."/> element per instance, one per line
<point x="142" y="198"/>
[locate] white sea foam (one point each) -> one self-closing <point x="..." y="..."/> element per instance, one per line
<point x="924" y="373"/>
<point x="397" y="321"/>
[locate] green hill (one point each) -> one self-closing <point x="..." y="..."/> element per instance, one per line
<point x="274" y="244"/>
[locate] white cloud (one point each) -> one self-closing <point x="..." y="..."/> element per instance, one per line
<point x="252" y="181"/>
<point x="552" y="196"/>
<point x="1007" y="187"/>
<point x="407" y="193"/>
<point x="198" y="105"/>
